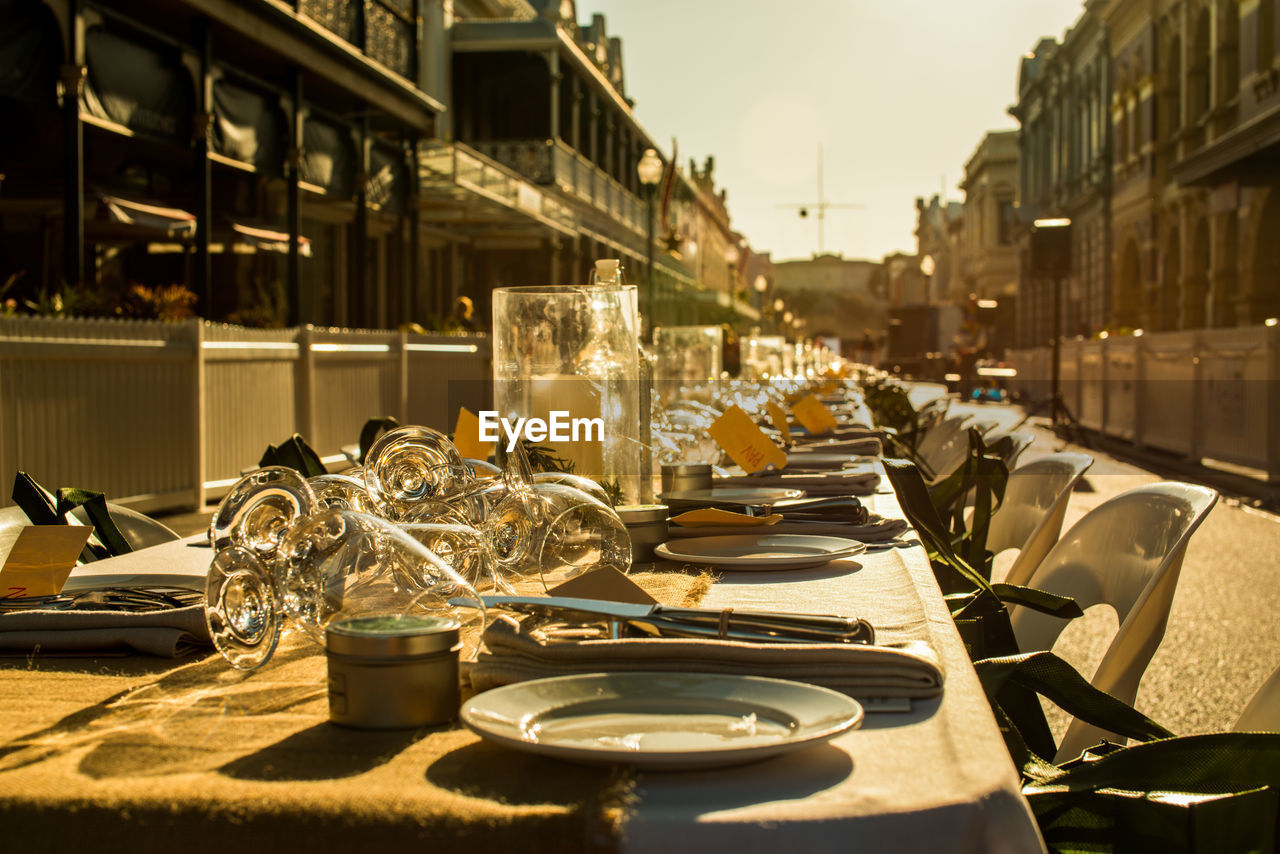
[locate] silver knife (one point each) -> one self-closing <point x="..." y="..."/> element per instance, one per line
<point x="662" y="621"/>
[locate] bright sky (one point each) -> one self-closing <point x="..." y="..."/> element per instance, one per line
<point x="897" y="92"/>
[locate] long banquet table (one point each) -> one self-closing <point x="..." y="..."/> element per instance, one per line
<point x="152" y="755"/>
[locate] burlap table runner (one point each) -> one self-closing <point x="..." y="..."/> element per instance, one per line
<point x="142" y="755"/>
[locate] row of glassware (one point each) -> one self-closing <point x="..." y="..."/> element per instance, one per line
<point x="416" y="530"/>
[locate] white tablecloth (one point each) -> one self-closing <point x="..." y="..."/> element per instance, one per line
<point x="936" y="779"/>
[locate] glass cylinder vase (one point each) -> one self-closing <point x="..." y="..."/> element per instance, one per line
<point x="568" y="356"/>
<point x="687" y="356"/>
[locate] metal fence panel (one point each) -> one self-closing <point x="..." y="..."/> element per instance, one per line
<point x="1166" y="394"/>
<point x="107" y="405"/>
<point x="1121" y="392"/>
<point x="1236" y="368"/>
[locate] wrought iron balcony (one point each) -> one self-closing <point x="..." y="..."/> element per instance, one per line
<point x="552" y="162"/>
<point x="384" y="30"/>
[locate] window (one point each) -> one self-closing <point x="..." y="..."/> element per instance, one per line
<point x="1266" y="27"/>
<point x="1229" y="52"/>
<point x="1005" y="220"/>
<point x="1173" y="87"/>
<point x="1198" y="78"/>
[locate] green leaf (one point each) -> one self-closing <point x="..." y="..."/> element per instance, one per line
<point x="109" y="541"/>
<point x="38" y="503"/>
<point x="1063" y="607"/>
<point x="1012" y="683"/>
<point x="370" y="432"/>
<point x="296" y="454"/>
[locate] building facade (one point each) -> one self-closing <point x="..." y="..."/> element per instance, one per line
<point x="1155" y="126"/>
<point x="834" y="296"/>
<point x="1065" y="170"/>
<point x="987" y="265"/>
<point x="337" y="162"/>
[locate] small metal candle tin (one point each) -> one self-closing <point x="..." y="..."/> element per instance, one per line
<point x="393" y="672"/>
<point x="686" y="477"/>
<point x="647" y="525"/>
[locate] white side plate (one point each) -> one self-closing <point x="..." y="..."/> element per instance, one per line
<point x="760" y="551"/>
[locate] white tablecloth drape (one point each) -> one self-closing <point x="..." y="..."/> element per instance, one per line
<point x="937" y="778"/>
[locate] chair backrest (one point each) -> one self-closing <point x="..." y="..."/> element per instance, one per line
<point x="1019" y="441"/>
<point x="1262" y="713"/>
<point x="1035" y="503"/>
<point x="1126" y="553"/>
<point x="947" y="455"/>
<point x="984" y="426"/>
<point x="940" y="433"/>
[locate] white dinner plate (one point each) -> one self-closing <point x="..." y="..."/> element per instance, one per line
<point x="660" y="720"/>
<point x="760" y="551"/>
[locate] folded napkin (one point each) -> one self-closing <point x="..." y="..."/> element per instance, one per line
<point x="840" y="434"/>
<point x="875" y="529"/>
<point x="849" y="482"/>
<point x="869" y="447"/>
<point x="168" y="634"/>
<point x="514" y="654"/>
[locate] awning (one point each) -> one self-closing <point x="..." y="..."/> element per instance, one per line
<point x="173" y="222"/>
<point x="266" y="239"/>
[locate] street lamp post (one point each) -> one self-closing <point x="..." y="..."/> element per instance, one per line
<point x="649" y="170"/>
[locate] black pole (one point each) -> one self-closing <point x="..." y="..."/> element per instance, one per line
<point x="363" y="301"/>
<point x="203" y="272"/>
<point x="1056" y="368"/>
<point x="648" y="291"/>
<point x="293" y="202"/>
<point x="414" y="285"/>
<point x="73" y="75"/>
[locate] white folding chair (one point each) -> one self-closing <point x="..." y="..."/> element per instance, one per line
<point x="937" y="435"/>
<point x="1262" y="713"/>
<point x="1030" y="516"/>
<point x="1019" y="441"/>
<point x="984" y="426"/>
<point x="1126" y="553"/>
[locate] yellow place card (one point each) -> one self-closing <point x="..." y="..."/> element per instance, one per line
<point x="41" y="559"/>
<point x="744" y="442"/>
<point x="815" y="417"/>
<point x="466" y="437"/>
<point x="779" y="418"/>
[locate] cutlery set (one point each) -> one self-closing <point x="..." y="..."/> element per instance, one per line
<point x="718" y="624"/>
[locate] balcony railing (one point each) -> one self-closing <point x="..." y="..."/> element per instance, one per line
<point x="384" y="30"/>
<point x="446" y="166"/>
<point x="551" y="162"/>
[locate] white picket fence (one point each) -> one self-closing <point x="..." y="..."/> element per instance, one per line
<point x="1208" y="393"/>
<point x="167" y="415"/>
